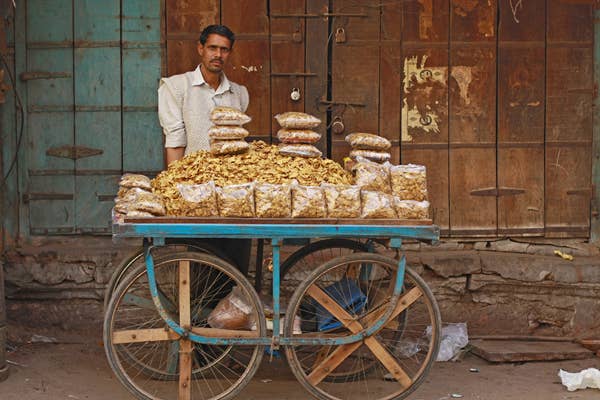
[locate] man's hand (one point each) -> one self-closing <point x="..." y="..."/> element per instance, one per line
<point x="174" y="154"/>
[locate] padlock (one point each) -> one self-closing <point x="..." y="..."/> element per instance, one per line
<point x="297" y="36"/>
<point x="337" y="126"/>
<point x="340" y="35"/>
<point x="295" y="95"/>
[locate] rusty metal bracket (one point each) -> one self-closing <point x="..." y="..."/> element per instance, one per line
<point x="31" y="75"/>
<point x="497" y="191"/>
<point x="341" y="103"/>
<point x="323" y="15"/>
<point x="27" y="197"/>
<point x="73" y="152"/>
<point x="305" y="74"/>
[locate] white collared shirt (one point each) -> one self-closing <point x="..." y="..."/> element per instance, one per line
<point x="184" y="105"/>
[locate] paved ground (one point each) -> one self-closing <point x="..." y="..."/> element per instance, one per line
<point x="80" y="371"/>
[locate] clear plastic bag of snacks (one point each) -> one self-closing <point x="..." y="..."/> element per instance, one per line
<point x="199" y="200"/>
<point x="409" y="182"/>
<point x="299" y="150"/>
<point x="236" y="200"/>
<point x="138" y="214"/>
<point x="343" y="201"/>
<point x="410" y="209"/>
<point x="227" y="132"/>
<point x="371" y="155"/>
<point x="372" y="176"/>
<point x="298" y="136"/>
<point x="128" y="194"/>
<point x="273" y="201"/>
<point x="377" y="205"/>
<point x="135" y="180"/>
<point x="148" y="202"/>
<point x="297" y="120"/>
<point x="232" y="312"/>
<point x="308" y="202"/>
<point x="368" y="141"/>
<point x="226" y="147"/>
<point x="228" y="116"/>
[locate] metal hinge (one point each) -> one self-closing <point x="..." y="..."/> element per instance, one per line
<point x="27" y="197"/>
<point x="31" y="75"/>
<point x="497" y="191"/>
<point x="73" y="152"/>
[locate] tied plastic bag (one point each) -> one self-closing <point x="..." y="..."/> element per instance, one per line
<point x="299" y="150"/>
<point x="236" y="200"/>
<point x="273" y="201"/>
<point x="410" y="209"/>
<point x="454" y="338"/>
<point x="371" y="176"/>
<point x="226" y="132"/>
<point x="228" y="116"/>
<point x="128" y="194"/>
<point x="368" y="141"/>
<point x="371" y="155"/>
<point x="138" y="214"/>
<point x="198" y="200"/>
<point x="297" y="120"/>
<point x="135" y="180"/>
<point x="343" y="201"/>
<point x="225" y="147"/>
<point x="409" y="182"/>
<point x="377" y="205"/>
<point x="587" y="378"/>
<point x="307" y="202"/>
<point x="298" y="136"/>
<point x="141" y="201"/>
<point x="233" y="312"/>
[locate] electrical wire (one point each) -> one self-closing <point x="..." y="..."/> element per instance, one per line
<point x="22" y="120"/>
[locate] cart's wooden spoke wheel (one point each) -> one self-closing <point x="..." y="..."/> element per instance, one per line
<point x="324" y="367"/>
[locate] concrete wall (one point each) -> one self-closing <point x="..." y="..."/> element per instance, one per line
<point x="498" y="287"/>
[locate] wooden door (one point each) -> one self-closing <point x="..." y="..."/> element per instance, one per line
<point x="90" y="71"/>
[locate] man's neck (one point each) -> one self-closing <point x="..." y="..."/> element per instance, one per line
<point x="213" y="79"/>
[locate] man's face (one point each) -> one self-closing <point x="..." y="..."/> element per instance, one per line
<point x="215" y="52"/>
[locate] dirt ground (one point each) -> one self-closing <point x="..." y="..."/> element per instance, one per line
<point x="48" y="371"/>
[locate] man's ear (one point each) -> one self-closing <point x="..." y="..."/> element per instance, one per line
<point x="200" y="48"/>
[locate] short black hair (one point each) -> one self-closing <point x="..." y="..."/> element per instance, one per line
<point x="218" y="30"/>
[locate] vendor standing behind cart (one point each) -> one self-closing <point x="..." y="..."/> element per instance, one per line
<point x="184" y="105"/>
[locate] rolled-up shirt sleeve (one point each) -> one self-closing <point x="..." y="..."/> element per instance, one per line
<point x="244" y="98"/>
<point x="170" y="114"/>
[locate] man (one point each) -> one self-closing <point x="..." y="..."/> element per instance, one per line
<point x="186" y="100"/>
<point x="184" y="105"/>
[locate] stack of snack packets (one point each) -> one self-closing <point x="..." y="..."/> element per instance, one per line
<point x="297" y="136"/>
<point x="369" y="146"/>
<point x="136" y="200"/>
<point x="227" y="135"/>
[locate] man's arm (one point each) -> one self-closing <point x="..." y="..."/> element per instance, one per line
<point x="174" y="154"/>
<point x="170" y="115"/>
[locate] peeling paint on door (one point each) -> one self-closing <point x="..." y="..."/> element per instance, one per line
<point x="426" y="19"/>
<point x="463" y="77"/>
<point x="423" y="87"/>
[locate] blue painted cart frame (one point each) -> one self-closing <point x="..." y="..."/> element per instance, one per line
<point x="155" y="234"/>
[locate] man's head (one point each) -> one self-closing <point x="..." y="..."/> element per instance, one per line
<point x="216" y="43"/>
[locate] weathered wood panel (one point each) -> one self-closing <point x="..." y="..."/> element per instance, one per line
<point x="355" y="71"/>
<point x="249" y="63"/>
<point x="425" y="98"/>
<point x="287" y="56"/>
<point x="569" y="118"/>
<point x="317" y="34"/>
<point x="184" y="22"/>
<point x="472" y="132"/>
<point x="390" y="81"/>
<point x="521" y="106"/>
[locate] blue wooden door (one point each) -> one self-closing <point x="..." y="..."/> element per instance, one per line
<point x="91" y="73"/>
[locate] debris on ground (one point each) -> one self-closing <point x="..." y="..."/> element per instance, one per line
<point x="587" y="378"/>
<point x="454" y="338"/>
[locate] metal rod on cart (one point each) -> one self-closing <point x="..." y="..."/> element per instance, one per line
<point x="275" y="243"/>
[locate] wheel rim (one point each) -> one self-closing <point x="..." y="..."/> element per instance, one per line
<point x="360" y="285"/>
<point x="151" y="369"/>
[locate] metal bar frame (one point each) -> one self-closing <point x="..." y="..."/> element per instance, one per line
<point x="155" y="234"/>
